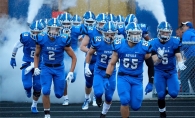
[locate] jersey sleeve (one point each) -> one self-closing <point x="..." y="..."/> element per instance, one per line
<point x="117" y="44"/>
<point x="96" y="41"/>
<point x="24" y="37"/>
<point x="176" y="42"/>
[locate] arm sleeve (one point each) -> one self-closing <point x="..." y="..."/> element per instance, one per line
<point x="177" y="50"/>
<point x="150" y="64"/>
<point x="16" y="46"/>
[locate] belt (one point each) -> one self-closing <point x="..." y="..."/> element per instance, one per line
<point x="52" y="65"/>
<point x="24" y="65"/>
<point x="123" y="74"/>
<point x="101" y="68"/>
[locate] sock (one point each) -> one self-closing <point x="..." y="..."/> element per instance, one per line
<point x="34" y="103"/>
<point x="47" y="111"/>
<point x="65" y="97"/>
<point x="87" y="96"/>
<point x="162" y="110"/>
<point x="47" y="115"/>
<point x="106" y="107"/>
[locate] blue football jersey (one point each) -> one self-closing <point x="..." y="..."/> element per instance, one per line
<point x="169" y="59"/>
<point x="91" y="32"/>
<point x="28" y="47"/>
<point x="103" y="50"/>
<point x="76" y="31"/>
<point x="53" y="51"/>
<point x="131" y="58"/>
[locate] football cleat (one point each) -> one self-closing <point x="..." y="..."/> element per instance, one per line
<point x="99" y="102"/>
<point x="86" y="104"/>
<point x="163" y="115"/>
<point x="102" y="115"/>
<point x="94" y="101"/>
<point x="34" y="110"/>
<point x="66" y="102"/>
<point x="47" y="116"/>
<point x="28" y="93"/>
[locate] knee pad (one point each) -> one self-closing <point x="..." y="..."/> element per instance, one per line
<point x="135" y="107"/>
<point x="108" y="98"/>
<point x="37" y="93"/>
<point x="124" y="101"/>
<point x="27" y="89"/>
<point x="45" y="92"/>
<point x="89" y="82"/>
<point x="173" y="94"/>
<point x="98" y="94"/>
<point x="161" y="95"/>
<point x="58" y="95"/>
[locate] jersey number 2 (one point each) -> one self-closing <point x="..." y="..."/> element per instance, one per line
<point x="51" y="55"/>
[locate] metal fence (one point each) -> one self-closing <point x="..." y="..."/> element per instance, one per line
<point x="187" y="76"/>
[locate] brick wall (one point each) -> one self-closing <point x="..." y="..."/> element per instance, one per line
<point x="3" y="7"/>
<point x="186" y="11"/>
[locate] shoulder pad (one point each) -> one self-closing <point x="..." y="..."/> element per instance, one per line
<point x="66" y="40"/>
<point x="26" y="34"/>
<point x="176" y="41"/>
<point x="64" y="35"/>
<point x="151" y="41"/>
<point x="24" y="37"/>
<point x="146" y="45"/>
<point x="40" y="38"/>
<point x="117" y="43"/>
<point x="96" y="41"/>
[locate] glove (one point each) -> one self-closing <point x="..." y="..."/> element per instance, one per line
<point x="160" y="53"/>
<point x="29" y="68"/>
<point x="148" y="88"/>
<point x="37" y="71"/>
<point x="181" y="65"/>
<point x="69" y="77"/>
<point x="87" y="70"/>
<point x="106" y="83"/>
<point x="13" y="62"/>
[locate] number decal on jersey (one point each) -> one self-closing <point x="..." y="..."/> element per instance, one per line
<point x="98" y="38"/>
<point x="104" y="58"/>
<point x="165" y="59"/>
<point x="118" y="40"/>
<point x="51" y="55"/>
<point x="32" y="54"/>
<point x="126" y="63"/>
<point x="143" y="25"/>
<point x="145" y="43"/>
